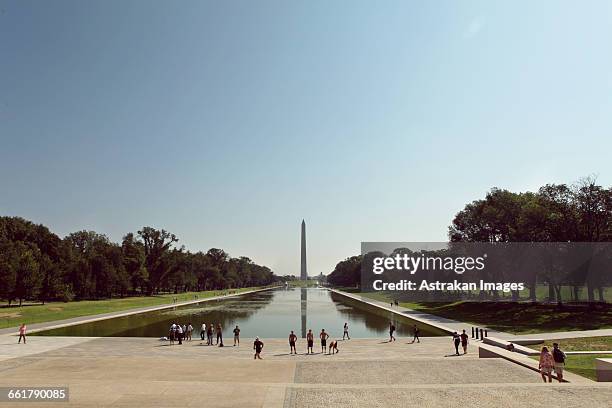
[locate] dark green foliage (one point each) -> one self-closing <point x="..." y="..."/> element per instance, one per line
<point x="37" y="265"/>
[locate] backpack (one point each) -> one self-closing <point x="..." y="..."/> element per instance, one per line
<point x="558" y="356"/>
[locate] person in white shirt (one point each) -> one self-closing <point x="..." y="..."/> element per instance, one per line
<point x="179" y="333"/>
<point x="172" y="333"/>
<point x="203" y="331"/>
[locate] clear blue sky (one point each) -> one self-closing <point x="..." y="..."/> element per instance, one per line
<point x="226" y="123"/>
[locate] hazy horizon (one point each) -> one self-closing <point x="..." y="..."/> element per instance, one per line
<point x="228" y="123"/>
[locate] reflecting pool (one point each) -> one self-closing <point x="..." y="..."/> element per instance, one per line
<point x="268" y="314"/>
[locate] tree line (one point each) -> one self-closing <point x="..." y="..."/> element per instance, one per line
<point x="581" y="212"/>
<point x="36" y="264"/>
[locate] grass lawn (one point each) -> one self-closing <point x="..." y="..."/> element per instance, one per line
<point x="599" y="343"/>
<point x="517" y="318"/>
<point x="14" y="316"/>
<point x="583" y="365"/>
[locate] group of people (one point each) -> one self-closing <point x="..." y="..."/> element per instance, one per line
<point x="552" y="361"/>
<point x="184" y="333"/>
<point x="460" y="339"/>
<point x="207" y="332"/>
<point x="323" y="337"/>
<point x="415" y="332"/>
<point x="180" y="333"/>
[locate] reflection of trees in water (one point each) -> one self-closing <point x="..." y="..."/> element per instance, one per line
<point x="377" y="319"/>
<point x="157" y="324"/>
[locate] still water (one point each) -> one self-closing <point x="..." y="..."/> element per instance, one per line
<point x="268" y="314"/>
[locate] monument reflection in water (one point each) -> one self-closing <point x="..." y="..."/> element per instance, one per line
<point x="303" y="304"/>
<point x="267" y="314"/>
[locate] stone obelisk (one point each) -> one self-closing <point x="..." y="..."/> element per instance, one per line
<point x="303" y="272"/>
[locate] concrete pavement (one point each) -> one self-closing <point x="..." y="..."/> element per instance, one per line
<point x="139" y="372"/>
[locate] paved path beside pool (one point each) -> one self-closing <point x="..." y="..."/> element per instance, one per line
<point x="92" y="318"/>
<point x="140" y="372"/>
<point x="442" y="323"/>
<point x="450" y="325"/>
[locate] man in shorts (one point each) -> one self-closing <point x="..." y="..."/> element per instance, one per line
<point x="333" y="347"/>
<point x="559" y="358"/>
<point x="323" y="336"/>
<point x="292" y="340"/>
<point x="236" y="336"/>
<point x="257" y="346"/>
<point x="310" y="341"/>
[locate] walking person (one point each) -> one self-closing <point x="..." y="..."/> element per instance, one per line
<point x="464" y="341"/>
<point x="546" y="364"/>
<point x="323" y="336"/>
<point x="559" y="361"/>
<point x="219" y="335"/>
<point x="391" y="331"/>
<point x="309" y="342"/>
<point x="236" y="336"/>
<point x="203" y="331"/>
<point x="346" y="333"/>
<point x="415" y="331"/>
<point x="292" y="340"/>
<point x="257" y="346"/>
<point x="456" y="341"/>
<point x="22" y="333"/>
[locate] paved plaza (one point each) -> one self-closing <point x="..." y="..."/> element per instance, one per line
<point x="141" y="372"/>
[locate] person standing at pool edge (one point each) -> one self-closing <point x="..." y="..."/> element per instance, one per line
<point x="257" y="346"/>
<point x="236" y="336"/>
<point x="179" y="333"/>
<point x="391" y="331"/>
<point x="292" y="339"/>
<point x="324" y="336"/>
<point x="346" y="333"/>
<point x="203" y="331"/>
<point x="209" y="334"/>
<point x="189" y="331"/>
<point x="22" y="333"/>
<point x="310" y="342"/>
<point x="219" y="335"/>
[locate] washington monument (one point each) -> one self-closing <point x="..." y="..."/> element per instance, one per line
<point x="303" y="272"/>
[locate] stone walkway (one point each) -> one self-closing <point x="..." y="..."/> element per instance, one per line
<point x="138" y="372"/>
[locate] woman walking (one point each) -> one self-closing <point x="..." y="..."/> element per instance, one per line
<point x="546" y="364"/>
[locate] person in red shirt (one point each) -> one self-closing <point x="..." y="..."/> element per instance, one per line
<point x="22" y="333"/>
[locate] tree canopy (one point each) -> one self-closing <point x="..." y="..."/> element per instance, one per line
<point x="36" y="264"/>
